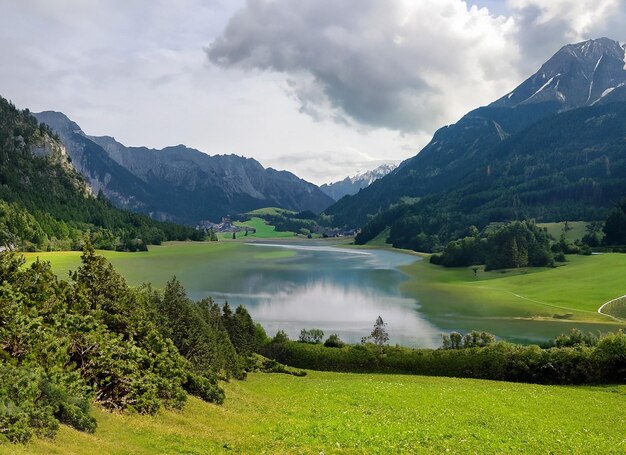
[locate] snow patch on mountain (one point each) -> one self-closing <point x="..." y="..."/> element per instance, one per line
<point x="352" y="185"/>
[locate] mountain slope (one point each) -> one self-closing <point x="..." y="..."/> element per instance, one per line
<point x="456" y="152"/>
<point x="571" y="165"/>
<point x="352" y="185"/>
<point x="182" y="184"/>
<point x="46" y="203"/>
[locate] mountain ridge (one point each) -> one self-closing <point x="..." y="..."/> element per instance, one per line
<point x="454" y="151"/>
<point x="353" y="184"/>
<point x="179" y="183"/>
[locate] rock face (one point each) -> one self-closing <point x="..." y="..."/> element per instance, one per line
<point x="179" y="183"/>
<point x="352" y="185"/>
<point x="578" y="75"/>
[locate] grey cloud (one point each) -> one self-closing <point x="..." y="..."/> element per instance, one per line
<point x="355" y="59"/>
<point x="406" y="66"/>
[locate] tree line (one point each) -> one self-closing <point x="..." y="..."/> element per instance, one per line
<point x="511" y="245"/>
<point x="576" y="358"/>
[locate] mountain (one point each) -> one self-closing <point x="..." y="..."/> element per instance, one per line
<point x="180" y="183"/>
<point x="46" y="203"/>
<point x="352" y="185"/>
<point x="578" y="75"/>
<point x="590" y="73"/>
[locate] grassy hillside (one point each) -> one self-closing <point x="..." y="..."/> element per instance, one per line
<point x="270" y="211"/>
<point x="263" y="230"/>
<point x="575" y="231"/>
<point x="352" y="413"/>
<point x="535" y="302"/>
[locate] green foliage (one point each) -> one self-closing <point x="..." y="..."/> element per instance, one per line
<point x="198" y="332"/>
<point x="241" y="329"/>
<point x="576" y="338"/>
<point x="379" y="333"/>
<point x="205" y="388"/>
<point x="518" y="244"/>
<point x="280" y="337"/>
<point x="615" y="226"/>
<point x="314" y="336"/>
<point x="473" y="339"/>
<point x="511" y="245"/>
<point x="472" y="356"/>
<point x="63" y="345"/>
<point x="334" y="341"/>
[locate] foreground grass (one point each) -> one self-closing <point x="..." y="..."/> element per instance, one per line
<point x="352" y="413"/>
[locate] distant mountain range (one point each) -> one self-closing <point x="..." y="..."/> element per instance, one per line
<point x="529" y="154"/>
<point x="179" y="183"/>
<point x="352" y="185"/>
<point x="45" y="203"/>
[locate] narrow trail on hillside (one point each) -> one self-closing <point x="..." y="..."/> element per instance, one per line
<point x="538" y="301"/>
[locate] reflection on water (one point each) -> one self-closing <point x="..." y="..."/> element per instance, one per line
<point x="337" y="290"/>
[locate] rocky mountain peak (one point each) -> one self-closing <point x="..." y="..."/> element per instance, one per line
<point x="581" y="74"/>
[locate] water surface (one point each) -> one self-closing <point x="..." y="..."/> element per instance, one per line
<point x="338" y="290"/>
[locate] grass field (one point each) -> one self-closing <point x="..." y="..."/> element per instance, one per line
<point x="270" y="211"/>
<point x="155" y="266"/>
<point x="575" y="232"/>
<point x="457" y="298"/>
<point x="358" y="413"/>
<point x="263" y="230"/>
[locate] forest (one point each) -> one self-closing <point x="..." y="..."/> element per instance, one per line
<point x="569" y="166"/>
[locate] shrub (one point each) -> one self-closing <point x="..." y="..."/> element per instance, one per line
<point x="313" y="336"/>
<point x="334" y="341"/>
<point x="204" y="388"/>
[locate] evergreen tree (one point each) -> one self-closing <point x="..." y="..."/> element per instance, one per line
<point x="379" y="334"/>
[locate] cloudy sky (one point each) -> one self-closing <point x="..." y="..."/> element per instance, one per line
<point x="322" y="88"/>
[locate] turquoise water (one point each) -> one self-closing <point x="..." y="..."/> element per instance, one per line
<point x="337" y="290"/>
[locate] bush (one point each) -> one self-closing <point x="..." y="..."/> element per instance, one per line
<point x="204" y="388"/>
<point x="313" y="336"/>
<point x="480" y="358"/>
<point x="334" y="341"/>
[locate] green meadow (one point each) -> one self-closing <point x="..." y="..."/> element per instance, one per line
<point x="365" y="414"/>
<point x="537" y="301"/>
<point x="575" y="229"/>
<point x="156" y="266"/>
<point x="263" y="230"/>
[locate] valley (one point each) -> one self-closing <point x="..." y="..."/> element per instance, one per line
<point x="411" y="290"/>
<point x="328" y="284"/>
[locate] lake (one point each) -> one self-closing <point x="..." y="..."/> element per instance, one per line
<point x="338" y="290"/>
<point x="294" y="285"/>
